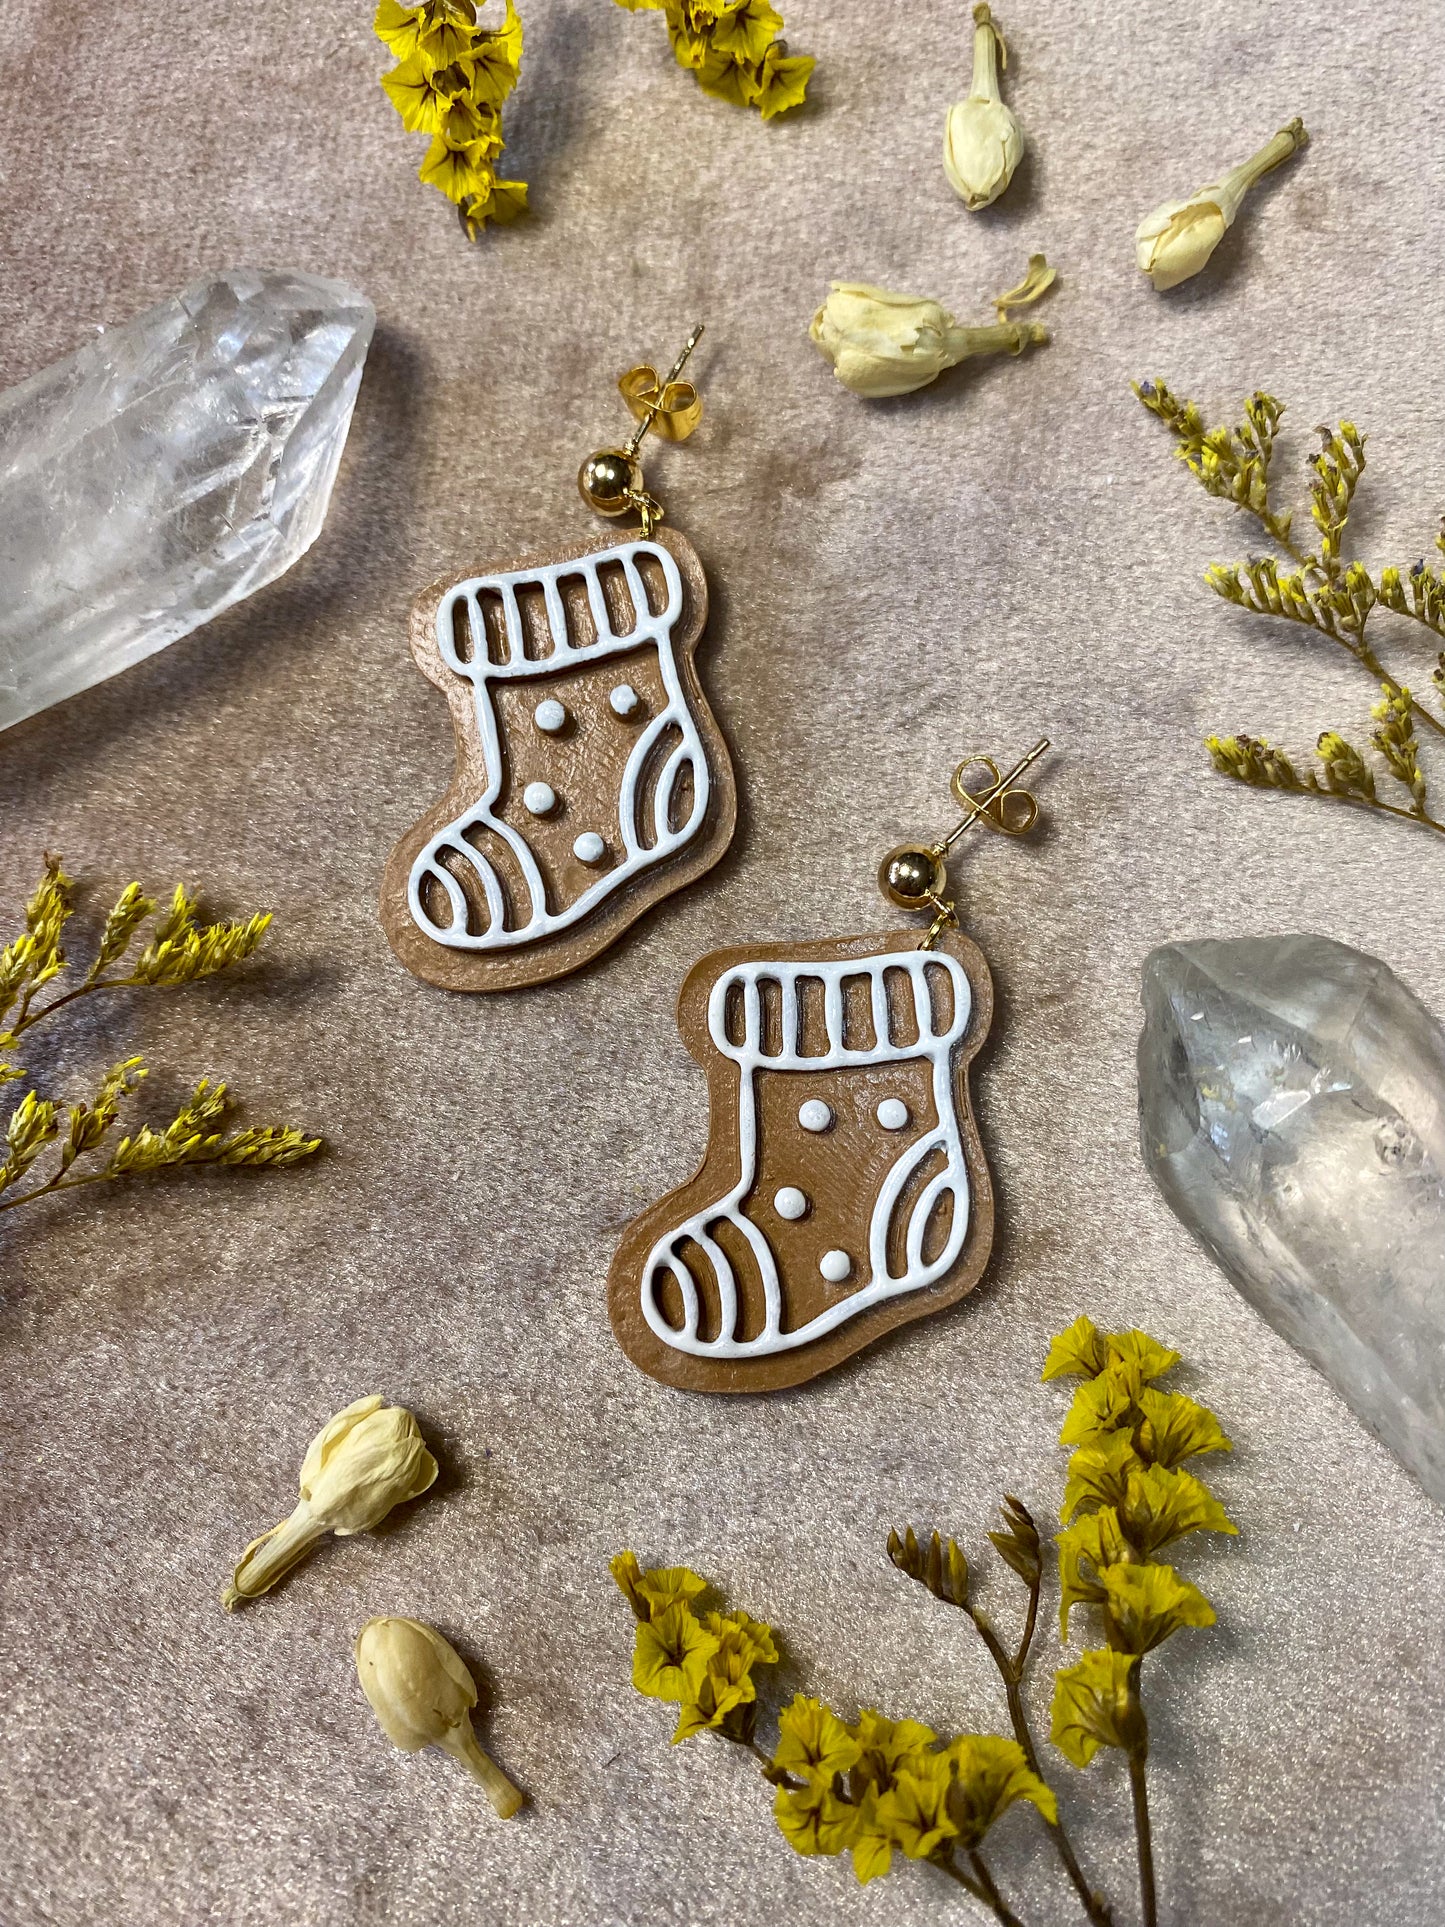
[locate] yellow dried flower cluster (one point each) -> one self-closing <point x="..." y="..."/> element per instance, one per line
<point x="1316" y="590"/>
<point x="870" y="1787"/>
<point x="451" y="79"/>
<point x="877" y="1787"/>
<point x="874" y="1787"/>
<point x="1129" y="1494"/>
<point x="733" y="50"/>
<point x="178" y="950"/>
<point x="704" y="1665"/>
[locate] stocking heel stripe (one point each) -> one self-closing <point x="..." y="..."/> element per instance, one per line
<point x="918" y="1226"/>
<point x="893" y="1187"/>
<point x="680" y="759"/>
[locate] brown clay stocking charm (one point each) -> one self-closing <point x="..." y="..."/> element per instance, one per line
<point x="844" y="1189"/>
<point x="592" y="778"/>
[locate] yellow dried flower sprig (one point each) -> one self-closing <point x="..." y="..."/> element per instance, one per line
<point x="451" y="78"/>
<point x="870" y="1787"/>
<point x="366" y="1460"/>
<point x="875" y="1788"/>
<point x="734" y="51"/>
<point x="178" y="950"/>
<point x="1129" y="1494"/>
<point x="1319" y="590"/>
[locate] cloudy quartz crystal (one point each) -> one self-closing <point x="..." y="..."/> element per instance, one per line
<point x="1292" y="1110"/>
<point x="172" y="466"/>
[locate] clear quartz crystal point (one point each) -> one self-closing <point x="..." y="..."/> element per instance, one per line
<point x="1292" y="1111"/>
<point x="166" y="470"/>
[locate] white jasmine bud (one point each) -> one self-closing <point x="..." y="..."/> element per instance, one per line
<point x="1176" y="240"/>
<point x="882" y="343"/>
<point x="366" y="1460"/>
<point x="422" y="1692"/>
<point x="982" y="141"/>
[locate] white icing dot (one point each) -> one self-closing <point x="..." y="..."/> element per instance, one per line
<point x="790" y="1202"/>
<point x="589" y="847"/>
<point x="835" y="1266"/>
<point x="550" y="716"/>
<point x="815" y="1115"/>
<point x="893" y="1114"/>
<point x="539" y="798"/>
<point x="624" y="699"/>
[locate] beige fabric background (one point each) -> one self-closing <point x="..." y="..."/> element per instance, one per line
<point x="1013" y="552"/>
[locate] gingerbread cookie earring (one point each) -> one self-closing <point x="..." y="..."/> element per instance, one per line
<point x="844" y="1189"/>
<point x="591" y="777"/>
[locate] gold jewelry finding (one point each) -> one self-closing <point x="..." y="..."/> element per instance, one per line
<point x="915" y="875"/>
<point x="610" y="480"/>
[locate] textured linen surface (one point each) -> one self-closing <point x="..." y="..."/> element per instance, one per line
<point x="1010" y="553"/>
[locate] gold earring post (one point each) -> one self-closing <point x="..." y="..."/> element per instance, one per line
<point x="630" y="447"/>
<point x="915" y="875"/>
<point x="610" y="479"/>
<point x="1000" y="789"/>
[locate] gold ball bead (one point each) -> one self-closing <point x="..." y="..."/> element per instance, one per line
<point x="605" y="479"/>
<point x="910" y="875"/>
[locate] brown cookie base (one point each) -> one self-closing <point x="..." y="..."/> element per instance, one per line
<point x="840" y="1171"/>
<point x="563" y="951"/>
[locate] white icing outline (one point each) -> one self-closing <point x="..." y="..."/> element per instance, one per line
<point x="483" y="674"/>
<point x="750" y="1057"/>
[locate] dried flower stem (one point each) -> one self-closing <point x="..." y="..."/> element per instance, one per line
<point x="928" y="1567"/>
<point x="1011" y="1671"/>
<point x="982" y="1886"/>
<point x="990" y="1890"/>
<point x="267" y="1560"/>
<point x="1139" y="1789"/>
<point x="1278" y="148"/>
<point x="1350" y="632"/>
<point x="221" y="1150"/>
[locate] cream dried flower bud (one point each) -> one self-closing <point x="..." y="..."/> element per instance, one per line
<point x="883" y="344"/>
<point x="982" y="141"/>
<point x="366" y="1460"/>
<point x="1176" y="240"/>
<point x="422" y="1692"/>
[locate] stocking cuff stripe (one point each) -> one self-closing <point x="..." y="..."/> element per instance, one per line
<point x="756" y="1011"/>
<point x="646" y="627"/>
